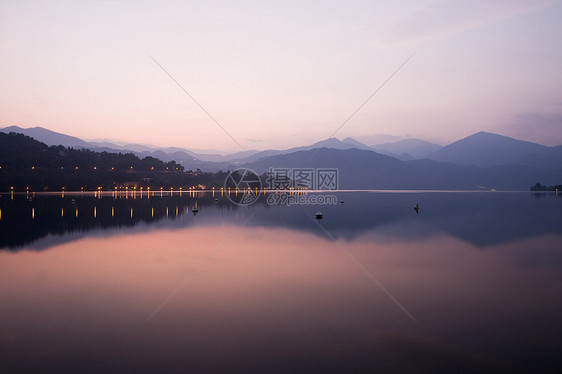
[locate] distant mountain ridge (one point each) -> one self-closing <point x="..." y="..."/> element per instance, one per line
<point x="184" y="157"/>
<point x="48" y="137"/>
<point x="347" y="143"/>
<point x="363" y="169"/>
<point x="407" y="149"/>
<point x="508" y="163"/>
<point x="485" y="149"/>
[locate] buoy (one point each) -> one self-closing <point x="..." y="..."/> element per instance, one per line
<point x="417" y="208"/>
<point x="194" y="211"/>
<point x="319" y="215"/>
<point x="341" y="201"/>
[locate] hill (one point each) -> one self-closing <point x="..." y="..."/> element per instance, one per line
<point x="26" y="162"/>
<point x="186" y="158"/>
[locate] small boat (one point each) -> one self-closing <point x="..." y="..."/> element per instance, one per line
<point x="417" y="208"/>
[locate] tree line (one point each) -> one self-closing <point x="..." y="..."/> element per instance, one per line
<point x="26" y="163"/>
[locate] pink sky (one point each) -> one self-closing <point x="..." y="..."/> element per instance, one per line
<point x="276" y="75"/>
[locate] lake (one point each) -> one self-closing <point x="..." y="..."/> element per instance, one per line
<point x="472" y="282"/>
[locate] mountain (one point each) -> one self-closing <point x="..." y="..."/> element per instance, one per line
<point x="485" y="149"/>
<point x="141" y="149"/>
<point x="335" y="143"/>
<point x="48" y="137"/>
<point x="363" y="169"/>
<point x="182" y="156"/>
<point x="357" y="144"/>
<point x="514" y="161"/>
<point x="407" y="149"/>
<point x="215" y="157"/>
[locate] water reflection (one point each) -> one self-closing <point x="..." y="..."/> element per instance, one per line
<point x="277" y="299"/>
<point x="482" y="219"/>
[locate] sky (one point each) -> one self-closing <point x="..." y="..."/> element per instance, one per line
<point x="228" y="76"/>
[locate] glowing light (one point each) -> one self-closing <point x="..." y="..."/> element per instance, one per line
<point x="32" y="213"/>
<point x="95" y="168"/>
<point x="95" y="212"/>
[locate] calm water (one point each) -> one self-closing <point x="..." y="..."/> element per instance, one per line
<point x="471" y="283"/>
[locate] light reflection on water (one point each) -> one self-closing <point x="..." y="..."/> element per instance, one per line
<point x="279" y="296"/>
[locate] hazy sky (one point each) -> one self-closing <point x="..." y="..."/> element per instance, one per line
<point x="283" y="73"/>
